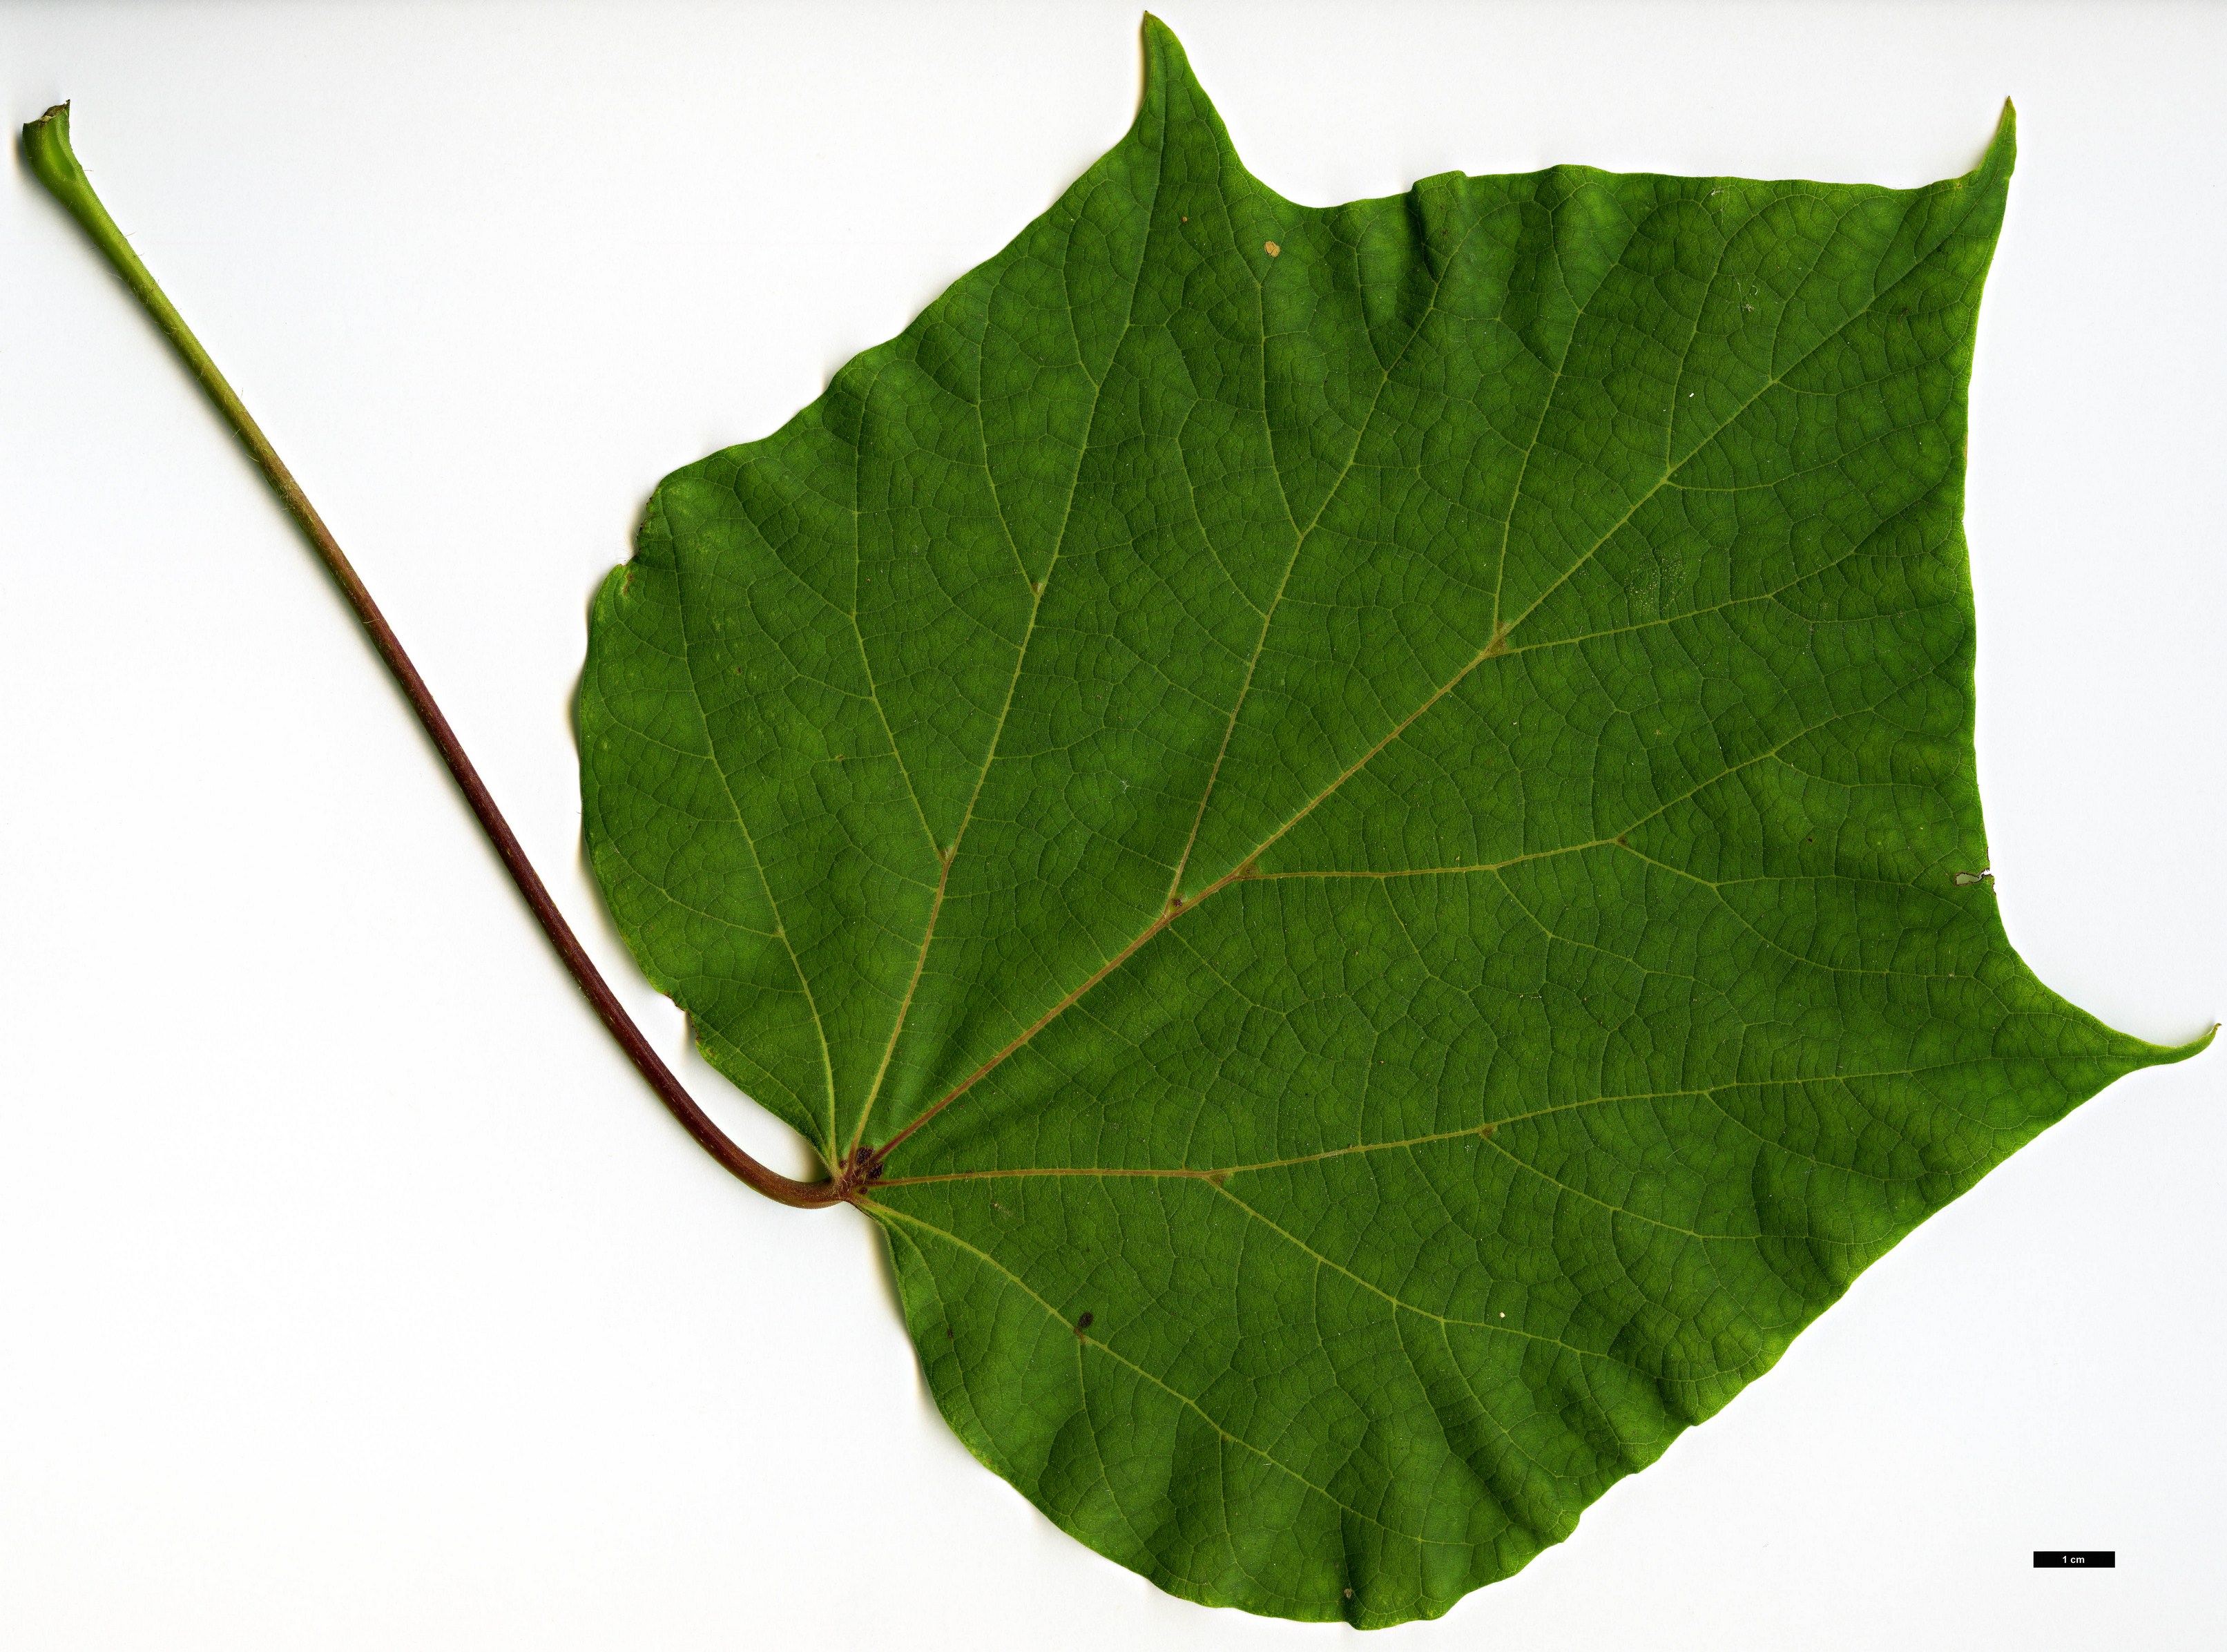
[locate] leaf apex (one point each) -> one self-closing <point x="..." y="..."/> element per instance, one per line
<point x="2003" y="148"/>
<point x="2165" y="1055"/>
<point x="2195" y="1046"/>
<point x="1165" y="60"/>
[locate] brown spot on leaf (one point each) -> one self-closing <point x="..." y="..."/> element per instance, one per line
<point x="1083" y="1323"/>
<point x="1219" y="1178"/>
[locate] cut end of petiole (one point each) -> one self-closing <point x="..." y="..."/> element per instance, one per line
<point x="46" y="151"/>
<point x="53" y="159"/>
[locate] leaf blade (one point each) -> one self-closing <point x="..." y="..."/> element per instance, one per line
<point x="1371" y="799"/>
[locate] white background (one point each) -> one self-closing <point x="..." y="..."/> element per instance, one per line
<point x="352" y="1291"/>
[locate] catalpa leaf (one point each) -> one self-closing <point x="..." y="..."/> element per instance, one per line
<point x="1359" y="825"/>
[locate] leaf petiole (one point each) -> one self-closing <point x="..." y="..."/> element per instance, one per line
<point x="46" y="151"/>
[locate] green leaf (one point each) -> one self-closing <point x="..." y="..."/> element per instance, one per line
<point x="1376" y="805"/>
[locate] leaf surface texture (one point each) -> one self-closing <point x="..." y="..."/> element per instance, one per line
<point x="1382" y="797"/>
